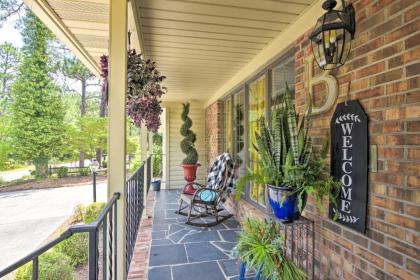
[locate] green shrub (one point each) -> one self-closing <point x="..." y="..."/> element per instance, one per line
<point x="62" y="172"/>
<point x="104" y="164"/>
<point x="2" y="181"/>
<point x="84" y="171"/>
<point x="92" y="212"/>
<point x="76" y="248"/>
<point x="53" y="265"/>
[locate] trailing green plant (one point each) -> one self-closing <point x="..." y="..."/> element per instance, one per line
<point x="62" y="172"/>
<point x="287" y="156"/>
<point x="187" y="144"/>
<point x="261" y="246"/>
<point x="53" y="265"/>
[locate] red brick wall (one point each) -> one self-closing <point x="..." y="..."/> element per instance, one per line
<point x="384" y="70"/>
<point x="214" y="131"/>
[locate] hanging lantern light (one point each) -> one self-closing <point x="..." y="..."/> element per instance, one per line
<point x="332" y="35"/>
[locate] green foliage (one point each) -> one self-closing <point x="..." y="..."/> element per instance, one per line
<point x="187" y="144"/>
<point x="84" y="171"/>
<point x="104" y="164"/>
<point x="157" y="163"/>
<point x="87" y="135"/>
<point x="53" y="265"/>
<point x="5" y="143"/>
<point x="62" y="172"/>
<point x="75" y="248"/>
<point x="287" y="156"/>
<point x="92" y="212"/>
<point x="261" y="246"/>
<point x="9" y="61"/>
<point x="37" y="112"/>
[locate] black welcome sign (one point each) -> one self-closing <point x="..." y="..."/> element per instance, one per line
<point x="349" y="164"/>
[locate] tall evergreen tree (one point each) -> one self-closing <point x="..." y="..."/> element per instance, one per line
<point x="37" y="110"/>
<point x="9" y="62"/>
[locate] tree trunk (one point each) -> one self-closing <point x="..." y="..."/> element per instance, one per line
<point x="102" y="114"/>
<point x="82" y="114"/>
<point x="41" y="168"/>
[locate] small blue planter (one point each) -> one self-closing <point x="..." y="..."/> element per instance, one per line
<point x="283" y="202"/>
<point x="243" y="273"/>
<point x="156" y="185"/>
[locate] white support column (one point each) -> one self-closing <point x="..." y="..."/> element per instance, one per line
<point x="117" y="120"/>
<point x="143" y="148"/>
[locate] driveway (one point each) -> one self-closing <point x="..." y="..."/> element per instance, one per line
<point x="28" y="218"/>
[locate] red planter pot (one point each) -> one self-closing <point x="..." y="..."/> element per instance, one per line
<point x="190" y="174"/>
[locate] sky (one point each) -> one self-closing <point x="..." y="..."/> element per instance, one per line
<point x="9" y="34"/>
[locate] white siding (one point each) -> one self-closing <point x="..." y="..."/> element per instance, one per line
<point x="175" y="155"/>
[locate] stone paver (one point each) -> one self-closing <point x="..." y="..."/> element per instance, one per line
<point x="182" y="252"/>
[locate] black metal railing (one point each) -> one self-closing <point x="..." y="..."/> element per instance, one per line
<point x="105" y="224"/>
<point x="149" y="172"/>
<point x="134" y="198"/>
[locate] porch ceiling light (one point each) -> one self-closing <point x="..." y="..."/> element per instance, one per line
<point x="332" y="35"/>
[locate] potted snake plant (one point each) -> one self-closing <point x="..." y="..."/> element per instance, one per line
<point x="261" y="245"/>
<point x="288" y="166"/>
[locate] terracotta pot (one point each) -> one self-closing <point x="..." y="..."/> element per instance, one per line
<point x="190" y="172"/>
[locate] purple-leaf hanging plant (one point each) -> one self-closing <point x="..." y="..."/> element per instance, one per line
<point x="144" y="91"/>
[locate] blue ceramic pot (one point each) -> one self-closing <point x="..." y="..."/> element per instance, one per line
<point x="156" y="185"/>
<point x="284" y="204"/>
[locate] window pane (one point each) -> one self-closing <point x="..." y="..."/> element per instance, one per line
<point x="228" y="126"/>
<point x="238" y="131"/>
<point x="257" y="106"/>
<point x="282" y="74"/>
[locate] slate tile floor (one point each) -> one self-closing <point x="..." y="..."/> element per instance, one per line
<point x="183" y="252"/>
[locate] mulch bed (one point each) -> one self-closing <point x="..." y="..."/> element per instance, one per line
<point x="50" y="183"/>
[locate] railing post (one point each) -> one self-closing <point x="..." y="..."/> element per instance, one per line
<point x="35" y="269"/>
<point x="117" y="124"/>
<point x="93" y="255"/>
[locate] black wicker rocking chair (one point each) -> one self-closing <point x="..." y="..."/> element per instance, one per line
<point x="205" y="202"/>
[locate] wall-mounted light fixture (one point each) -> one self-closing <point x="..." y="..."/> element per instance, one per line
<point x="332" y="35"/>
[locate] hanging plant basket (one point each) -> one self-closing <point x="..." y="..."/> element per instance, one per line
<point x="144" y="90"/>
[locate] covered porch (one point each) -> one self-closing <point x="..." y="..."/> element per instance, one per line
<point x="230" y="61"/>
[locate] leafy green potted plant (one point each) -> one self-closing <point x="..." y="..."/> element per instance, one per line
<point x="261" y="246"/>
<point x="288" y="166"/>
<point x="190" y="162"/>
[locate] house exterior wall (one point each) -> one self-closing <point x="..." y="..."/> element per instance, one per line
<point x="214" y="131"/>
<point x="384" y="71"/>
<point x="174" y="153"/>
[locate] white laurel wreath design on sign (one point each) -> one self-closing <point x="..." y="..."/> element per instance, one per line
<point x="348" y="117"/>
<point x="345" y="218"/>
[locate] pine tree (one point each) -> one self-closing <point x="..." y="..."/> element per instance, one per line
<point x="37" y="110"/>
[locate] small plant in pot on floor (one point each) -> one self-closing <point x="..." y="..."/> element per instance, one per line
<point x="289" y="168"/>
<point x="190" y="162"/>
<point x="261" y="246"/>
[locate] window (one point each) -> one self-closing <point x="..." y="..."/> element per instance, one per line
<point x="239" y="131"/>
<point x="228" y="125"/>
<point x="243" y="111"/>
<point x="257" y="110"/>
<point x="281" y="74"/>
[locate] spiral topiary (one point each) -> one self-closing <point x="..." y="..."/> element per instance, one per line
<point x="187" y="144"/>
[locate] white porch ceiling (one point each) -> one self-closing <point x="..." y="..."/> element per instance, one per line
<point x="198" y="44"/>
<point x="201" y="44"/>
